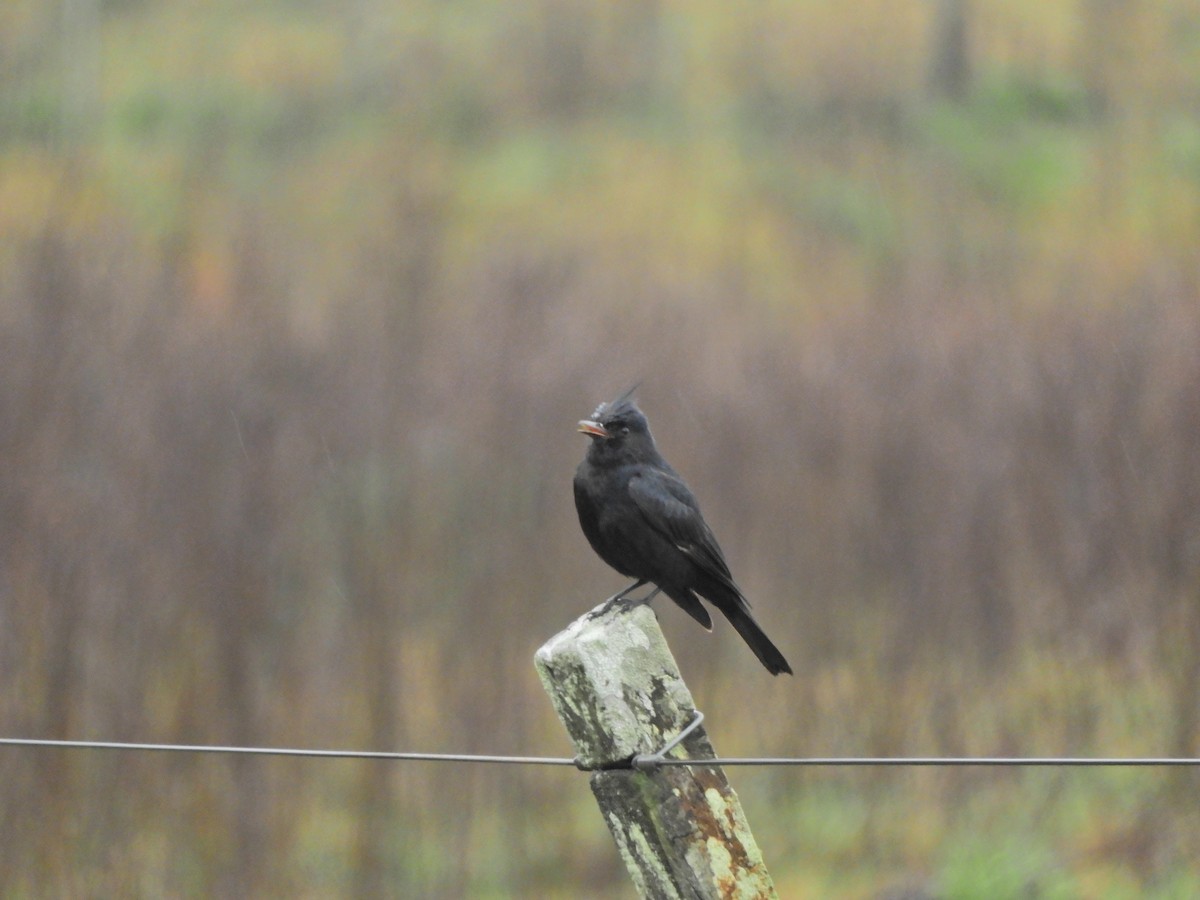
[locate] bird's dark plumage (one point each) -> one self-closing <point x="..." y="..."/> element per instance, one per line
<point x="642" y="520"/>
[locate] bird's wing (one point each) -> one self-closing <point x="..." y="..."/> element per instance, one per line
<point x="669" y="507"/>
<point x="588" y="518"/>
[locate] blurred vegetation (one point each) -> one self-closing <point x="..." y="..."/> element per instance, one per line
<point x="299" y="303"/>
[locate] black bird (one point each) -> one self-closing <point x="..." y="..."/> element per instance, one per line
<point x="642" y="520"/>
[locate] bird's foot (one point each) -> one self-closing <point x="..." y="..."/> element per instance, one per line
<point x="631" y="602"/>
<point x="626" y="603"/>
<point x="623" y="600"/>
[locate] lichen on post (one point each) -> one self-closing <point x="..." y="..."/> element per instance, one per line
<point x="618" y="691"/>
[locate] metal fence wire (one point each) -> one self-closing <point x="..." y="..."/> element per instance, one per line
<point x="642" y="762"/>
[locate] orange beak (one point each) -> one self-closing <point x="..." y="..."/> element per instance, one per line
<point x="595" y="429"/>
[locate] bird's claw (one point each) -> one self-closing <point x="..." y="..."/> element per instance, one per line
<point x="631" y="602"/>
<point x="624" y="602"/>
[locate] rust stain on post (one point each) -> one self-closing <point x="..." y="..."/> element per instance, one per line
<point x="681" y="831"/>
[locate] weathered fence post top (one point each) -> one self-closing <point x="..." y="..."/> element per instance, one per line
<point x="588" y="670"/>
<point x="617" y="689"/>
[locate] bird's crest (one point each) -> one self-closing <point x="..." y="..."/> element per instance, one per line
<point x="615" y="408"/>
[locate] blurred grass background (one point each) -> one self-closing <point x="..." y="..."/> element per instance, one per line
<point x="300" y="301"/>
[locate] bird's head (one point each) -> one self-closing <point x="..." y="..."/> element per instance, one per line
<point x="619" y="431"/>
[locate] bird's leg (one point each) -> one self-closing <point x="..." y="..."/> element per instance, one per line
<point x="626" y="602"/>
<point x="645" y="601"/>
<point x="619" y="596"/>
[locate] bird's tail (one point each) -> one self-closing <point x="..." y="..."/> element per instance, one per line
<point x="768" y="654"/>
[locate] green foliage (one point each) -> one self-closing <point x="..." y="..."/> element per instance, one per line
<point x="297" y="297"/>
<point x="31" y="115"/>
<point x="1002" y="867"/>
<point x="1023" y="145"/>
<point x="853" y="211"/>
<point x="1181" y="141"/>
